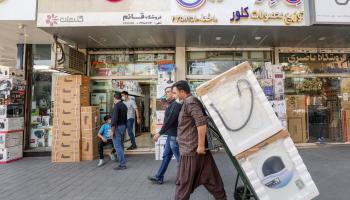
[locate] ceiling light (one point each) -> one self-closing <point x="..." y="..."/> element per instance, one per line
<point x="20" y="26"/>
<point x="322" y="38"/>
<point x="218" y="38"/>
<point x="257" y="38"/>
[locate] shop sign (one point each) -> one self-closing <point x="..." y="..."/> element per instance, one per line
<point x="317" y="57"/>
<point x="53" y="19"/>
<point x="10" y="10"/>
<point x="142" y="19"/>
<point x="253" y="12"/>
<point x="332" y="12"/>
<point x="179" y="12"/>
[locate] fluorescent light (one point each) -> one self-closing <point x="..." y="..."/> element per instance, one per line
<point x="257" y="38"/>
<point x="218" y="38"/>
<point x="322" y="38"/>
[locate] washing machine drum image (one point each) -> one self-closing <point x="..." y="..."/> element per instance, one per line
<point x="276" y="175"/>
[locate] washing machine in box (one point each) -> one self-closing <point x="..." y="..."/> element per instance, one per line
<point x="275" y="169"/>
<point x="11" y="138"/>
<point x="11" y="154"/>
<point x="239" y="108"/>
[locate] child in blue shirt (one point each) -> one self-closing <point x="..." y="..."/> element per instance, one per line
<point x="104" y="135"/>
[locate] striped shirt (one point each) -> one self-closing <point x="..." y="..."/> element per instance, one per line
<point x="191" y="116"/>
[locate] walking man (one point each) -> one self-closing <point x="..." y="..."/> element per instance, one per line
<point x="132" y="108"/>
<point x="197" y="166"/>
<point x="119" y="120"/>
<point x="169" y="128"/>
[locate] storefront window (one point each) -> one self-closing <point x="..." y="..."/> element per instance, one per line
<point x="217" y="62"/>
<point x="143" y="64"/>
<point x="314" y="103"/>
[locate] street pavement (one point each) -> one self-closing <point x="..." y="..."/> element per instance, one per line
<point x="38" y="179"/>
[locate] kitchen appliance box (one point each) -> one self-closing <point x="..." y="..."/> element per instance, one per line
<point x="11" y="111"/>
<point x="11" y="72"/>
<point x="275" y="169"/>
<point x="12" y="84"/>
<point x="65" y="156"/>
<point x="38" y="138"/>
<point x="89" y="148"/>
<point x="11" y="154"/>
<point x="89" y="133"/>
<point x="73" y="94"/>
<point x="71" y="80"/>
<point x="11" y="139"/>
<point x="9" y="124"/>
<point x="242" y="113"/>
<point x="90" y="117"/>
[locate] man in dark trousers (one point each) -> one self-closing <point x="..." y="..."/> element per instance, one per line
<point x="169" y="128"/>
<point x="119" y="120"/>
<point x="197" y="166"/>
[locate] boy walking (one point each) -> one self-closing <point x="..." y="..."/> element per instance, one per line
<point x="104" y="135"/>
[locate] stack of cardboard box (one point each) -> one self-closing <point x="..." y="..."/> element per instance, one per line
<point x="12" y="90"/>
<point x="297" y="118"/>
<point x="71" y="93"/>
<point x="90" y="122"/>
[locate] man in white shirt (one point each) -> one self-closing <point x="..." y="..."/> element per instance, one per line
<point x="132" y="108"/>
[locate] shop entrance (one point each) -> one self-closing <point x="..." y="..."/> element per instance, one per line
<point x="142" y="92"/>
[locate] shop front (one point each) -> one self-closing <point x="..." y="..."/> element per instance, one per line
<point x="142" y="49"/>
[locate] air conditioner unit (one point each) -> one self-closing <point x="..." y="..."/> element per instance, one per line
<point x="70" y="60"/>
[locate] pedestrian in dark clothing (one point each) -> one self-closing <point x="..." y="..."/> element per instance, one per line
<point x="169" y="128"/>
<point x="119" y="120"/>
<point x="197" y="166"/>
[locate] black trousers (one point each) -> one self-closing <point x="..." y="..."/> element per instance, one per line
<point x="101" y="144"/>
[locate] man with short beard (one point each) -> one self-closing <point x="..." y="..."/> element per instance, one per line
<point x="197" y="166"/>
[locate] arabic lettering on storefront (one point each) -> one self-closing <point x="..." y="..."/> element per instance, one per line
<point x="54" y="19"/>
<point x="142" y="18"/>
<point x="317" y="57"/>
<point x="192" y="19"/>
<point x="287" y="18"/>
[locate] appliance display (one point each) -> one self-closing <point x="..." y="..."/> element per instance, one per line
<point x="11" y="111"/>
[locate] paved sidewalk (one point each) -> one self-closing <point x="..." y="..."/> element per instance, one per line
<point x="38" y="179"/>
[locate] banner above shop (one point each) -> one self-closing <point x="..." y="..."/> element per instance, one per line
<point x="65" y="13"/>
<point x="10" y="10"/>
<point x="332" y="12"/>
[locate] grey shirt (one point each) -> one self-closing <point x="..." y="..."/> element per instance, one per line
<point x="131" y="105"/>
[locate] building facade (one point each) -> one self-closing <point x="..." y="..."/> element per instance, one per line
<point x="144" y="46"/>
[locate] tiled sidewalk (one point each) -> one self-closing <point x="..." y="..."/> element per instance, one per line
<point x="38" y="179"/>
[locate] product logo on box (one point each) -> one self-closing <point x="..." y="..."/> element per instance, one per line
<point x="190" y="4"/>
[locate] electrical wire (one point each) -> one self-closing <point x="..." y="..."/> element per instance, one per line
<point x="250" y="111"/>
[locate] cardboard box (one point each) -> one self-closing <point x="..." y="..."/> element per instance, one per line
<point x="12" y="84"/>
<point x="89" y="148"/>
<point x="69" y="123"/>
<point x="11" y="154"/>
<point x="66" y="144"/>
<point x="11" y="72"/>
<point x="11" y="111"/>
<point x="65" y="156"/>
<point x="230" y="98"/>
<point x="296" y="105"/>
<point x="275" y="169"/>
<point x="11" y="139"/>
<point x="72" y="80"/>
<point x="74" y="93"/>
<point x="90" y="117"/>
<point x="9" y="124"/>
<point x="37" y="138"/>
<point x="298" y="129"/>
<point x="71" y="134"/>
<point x="90" y="133"/>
